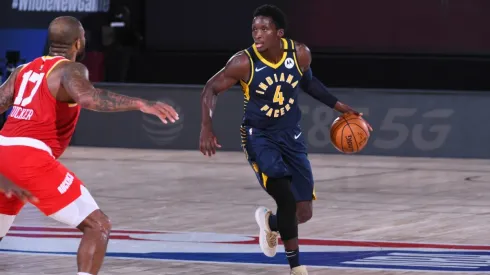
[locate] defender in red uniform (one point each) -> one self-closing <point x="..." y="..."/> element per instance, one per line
<point x="46" y="95"/>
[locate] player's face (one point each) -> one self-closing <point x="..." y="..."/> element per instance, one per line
<point x="265" y="33"/>
<point x="81" y="47"/>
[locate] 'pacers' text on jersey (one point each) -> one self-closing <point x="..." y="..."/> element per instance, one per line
<point x="271" y="94"/>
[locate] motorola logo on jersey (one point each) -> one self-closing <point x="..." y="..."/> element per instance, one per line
<point x="283" y="105"/>
<point x="61" y="5"/>
<point x="289" y="63"/>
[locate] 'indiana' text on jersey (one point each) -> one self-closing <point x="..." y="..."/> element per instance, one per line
<point x="271" y="94"/>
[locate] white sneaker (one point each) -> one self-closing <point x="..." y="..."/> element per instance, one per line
<point x="299" y="270"/>
<point x="267" y="238"/>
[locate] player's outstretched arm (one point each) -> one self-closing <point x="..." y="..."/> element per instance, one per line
<point x="74" y="79"/>
<point x="314" y="87"/>
<point x="7" y="91"/>
<point x="236" y="68"/>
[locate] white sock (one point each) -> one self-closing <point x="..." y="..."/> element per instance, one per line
<point x="83" y="273"/>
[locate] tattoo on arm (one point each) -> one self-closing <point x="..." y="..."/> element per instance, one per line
<point x="7" y="91"/>
<point x="76" y="83"/>
<point x="106" y="101"/>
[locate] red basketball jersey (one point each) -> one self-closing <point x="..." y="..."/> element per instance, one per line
<point x="36" y="113"/>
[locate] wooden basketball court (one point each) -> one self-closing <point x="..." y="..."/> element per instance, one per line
<point x="208" y="204"/>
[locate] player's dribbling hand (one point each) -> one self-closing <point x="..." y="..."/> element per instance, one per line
<point x="346" y="109"/>
<point x="367" y="123"/>
<point x="208" y="143"/>
<point x="162" y="110"/>
<point x="360" y="114"/>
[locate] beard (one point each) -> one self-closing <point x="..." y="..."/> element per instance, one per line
<point x="80" y="56"/>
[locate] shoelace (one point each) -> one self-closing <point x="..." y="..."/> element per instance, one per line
<point x="272" y="239"/>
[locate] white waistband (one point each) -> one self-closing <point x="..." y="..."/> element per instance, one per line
<point x="25" y="141"/>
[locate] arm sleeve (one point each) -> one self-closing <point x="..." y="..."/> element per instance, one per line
<point x="314" y="87"/>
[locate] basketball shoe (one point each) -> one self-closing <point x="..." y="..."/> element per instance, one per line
<point x="267" y="238"/>
<point x="299" y="270"/>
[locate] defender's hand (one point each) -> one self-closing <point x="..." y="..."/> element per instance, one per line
<point x="161" y="110"/>
<point x="10" y="190"/>
<point x="208" y="143"/>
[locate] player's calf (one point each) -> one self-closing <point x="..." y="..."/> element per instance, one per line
<point x="280" y="190"/>
<point x="96" y="229"/>
<point x="84" y="214"/>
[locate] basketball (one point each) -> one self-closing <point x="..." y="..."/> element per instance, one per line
<point x="349" y="133"/>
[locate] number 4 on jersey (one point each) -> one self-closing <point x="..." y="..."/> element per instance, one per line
<point x="278" y="97"/>
<point x="34" y="78"/>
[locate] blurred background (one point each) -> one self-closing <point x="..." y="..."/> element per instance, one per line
<point x="418" y="69"/>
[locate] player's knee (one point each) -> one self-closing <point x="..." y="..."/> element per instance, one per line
<point x="304" y="215"/>
<point x="96" y="223"/>
<point x="304" y="212"/>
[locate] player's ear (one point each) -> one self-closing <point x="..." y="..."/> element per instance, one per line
<point x="280" y="32"/>
<point x="78" y="44"/>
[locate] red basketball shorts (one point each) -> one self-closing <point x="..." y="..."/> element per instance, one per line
<point x="32" y="167"/>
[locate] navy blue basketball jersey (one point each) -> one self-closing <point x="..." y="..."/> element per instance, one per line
<point x="271" y="94"/>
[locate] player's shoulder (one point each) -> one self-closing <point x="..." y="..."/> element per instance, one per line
<point x="67" y="71"/>
<point x="238" y="65"/>
<point x="72" y="67"/>
<point x="68" y="64"/>
<point x="303" y="54"/>
<point x="239" y="59"/>
<point x="300" y="47"/>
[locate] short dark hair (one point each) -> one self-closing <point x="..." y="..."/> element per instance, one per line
<point x="273" y="12"/>
<point x="64" y="31"/>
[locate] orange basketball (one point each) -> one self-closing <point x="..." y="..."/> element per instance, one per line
<point x="349" y="133"/>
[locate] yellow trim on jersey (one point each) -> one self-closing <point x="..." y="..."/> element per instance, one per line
<point x="48" y="57"/>
<point x="251" y="68"/>
<point x="264" y="180"/>
<point x="296" y="59"/>
<point x="54" y="65"/>
<point x="246" y="85"/>
<point x="245" y="89"/>
<point x="72" y="104"/>
<point x="243" y="137"/>
<point x="21" y="67"/>
<point x="275" y="66"/>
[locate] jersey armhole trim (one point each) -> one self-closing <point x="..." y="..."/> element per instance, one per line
<point x="251" y="68"/>
<point x="295" y="58"/>
<point x="49" y="71"/>
<point x="54" y="66"/>
<point x="21" y="67"/>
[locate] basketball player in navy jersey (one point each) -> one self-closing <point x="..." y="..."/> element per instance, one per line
<point x="270" y="71"/>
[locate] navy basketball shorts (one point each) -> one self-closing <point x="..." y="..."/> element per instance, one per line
<point x="278" y="154"/>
